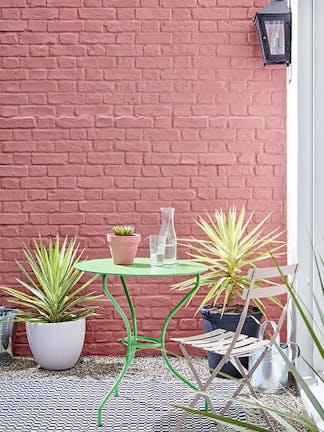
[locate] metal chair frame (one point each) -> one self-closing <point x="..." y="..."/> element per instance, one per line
<point x="234" y="345"/>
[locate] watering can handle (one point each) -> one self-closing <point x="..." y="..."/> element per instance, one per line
<point x="297" y="351"/>
<point x="263" y="327"/>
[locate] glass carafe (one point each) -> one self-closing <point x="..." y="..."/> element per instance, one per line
<point x="167" y="229"/>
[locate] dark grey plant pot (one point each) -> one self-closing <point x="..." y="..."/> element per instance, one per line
<point x="229" y="321"/>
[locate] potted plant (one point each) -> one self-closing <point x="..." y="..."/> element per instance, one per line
<point x="56" y="305"/>
<point x="228" y="252"/>
<point x="123" y="244"/>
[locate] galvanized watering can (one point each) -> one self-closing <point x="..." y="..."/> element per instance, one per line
<point x="6" y="333"/>
<point x="271" y="376"/>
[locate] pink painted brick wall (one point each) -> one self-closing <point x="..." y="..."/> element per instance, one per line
<point x="111" y="109"/>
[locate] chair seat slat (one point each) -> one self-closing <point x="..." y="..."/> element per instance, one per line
<point x="252" y="348"/>
<point x="215" y="339"/>
<point x="225" y="342"/>
<point x="199" y="336"/>
<point x="203" y="343"/>
<point x="220" y="343"/>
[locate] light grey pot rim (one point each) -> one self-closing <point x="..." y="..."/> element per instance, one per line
<point x="55" y="324"/>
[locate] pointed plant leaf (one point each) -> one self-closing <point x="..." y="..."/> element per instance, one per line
<point x="50" y="286"/>
<point x="239" y="425"/>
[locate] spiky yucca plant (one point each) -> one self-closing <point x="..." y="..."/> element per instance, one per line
<point x="229" y="251"/>
<point x="123" y="230"/>
<point x="50" y="287"/>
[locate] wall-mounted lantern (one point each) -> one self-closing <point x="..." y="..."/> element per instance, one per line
<point x="273" y="27"/>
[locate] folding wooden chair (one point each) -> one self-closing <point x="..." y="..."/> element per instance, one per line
<point x="232" y="345"/>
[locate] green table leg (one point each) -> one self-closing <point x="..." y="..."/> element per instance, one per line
<point x="162" y="338"/>
<point x="164" y="329"/>
<point x="131" y="345"/>
<point x="132" y="341"/>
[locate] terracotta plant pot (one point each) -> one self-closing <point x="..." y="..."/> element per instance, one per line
<point x="123" y="248"/>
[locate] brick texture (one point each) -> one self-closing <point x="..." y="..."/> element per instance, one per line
<point x="110" y="109"/>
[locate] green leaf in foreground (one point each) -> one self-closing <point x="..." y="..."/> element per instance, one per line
<point x="239" y="425"/>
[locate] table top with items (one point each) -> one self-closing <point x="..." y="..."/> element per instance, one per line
<point x="141" y="267"/>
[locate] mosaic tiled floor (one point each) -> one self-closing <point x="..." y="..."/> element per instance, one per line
<point x="70" y="405"/>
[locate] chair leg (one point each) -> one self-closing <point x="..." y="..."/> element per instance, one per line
<point x="246" y="378"/>
<point x="239" y="388"/>
<point x="253" y="392"/>
<point x="203" y="389"/>
<point x="197" y="378"/>
<point x="200" y="385"/>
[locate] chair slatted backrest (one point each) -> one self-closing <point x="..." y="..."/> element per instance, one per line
<point x="263" y="292"/>
<point x="285" y="273"/>
<point x="270" y="273"/>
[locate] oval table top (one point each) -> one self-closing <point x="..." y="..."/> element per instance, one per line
<point x="141" y="267"/>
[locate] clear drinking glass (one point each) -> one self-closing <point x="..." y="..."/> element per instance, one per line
<point x="157" y="249"/>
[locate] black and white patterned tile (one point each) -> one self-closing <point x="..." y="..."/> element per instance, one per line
<point x="70" y="405"/>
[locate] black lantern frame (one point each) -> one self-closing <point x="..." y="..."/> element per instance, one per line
<point x="273" y="28"/>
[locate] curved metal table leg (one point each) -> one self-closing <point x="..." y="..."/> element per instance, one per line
<point x="130" y="341"/>
<point x="131" y="348"/>
<point x="164" y="352"/>
<point x="164" y="329"/>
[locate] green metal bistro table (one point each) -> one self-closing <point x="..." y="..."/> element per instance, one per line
<point x="141" y="267"/>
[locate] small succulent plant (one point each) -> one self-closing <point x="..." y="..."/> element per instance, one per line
<point x="123" y="230"/>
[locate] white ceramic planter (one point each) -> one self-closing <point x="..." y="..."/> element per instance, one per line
<point x="56" y="346"/>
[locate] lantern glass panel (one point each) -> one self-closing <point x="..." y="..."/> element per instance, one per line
<point x="276" y="36"/>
